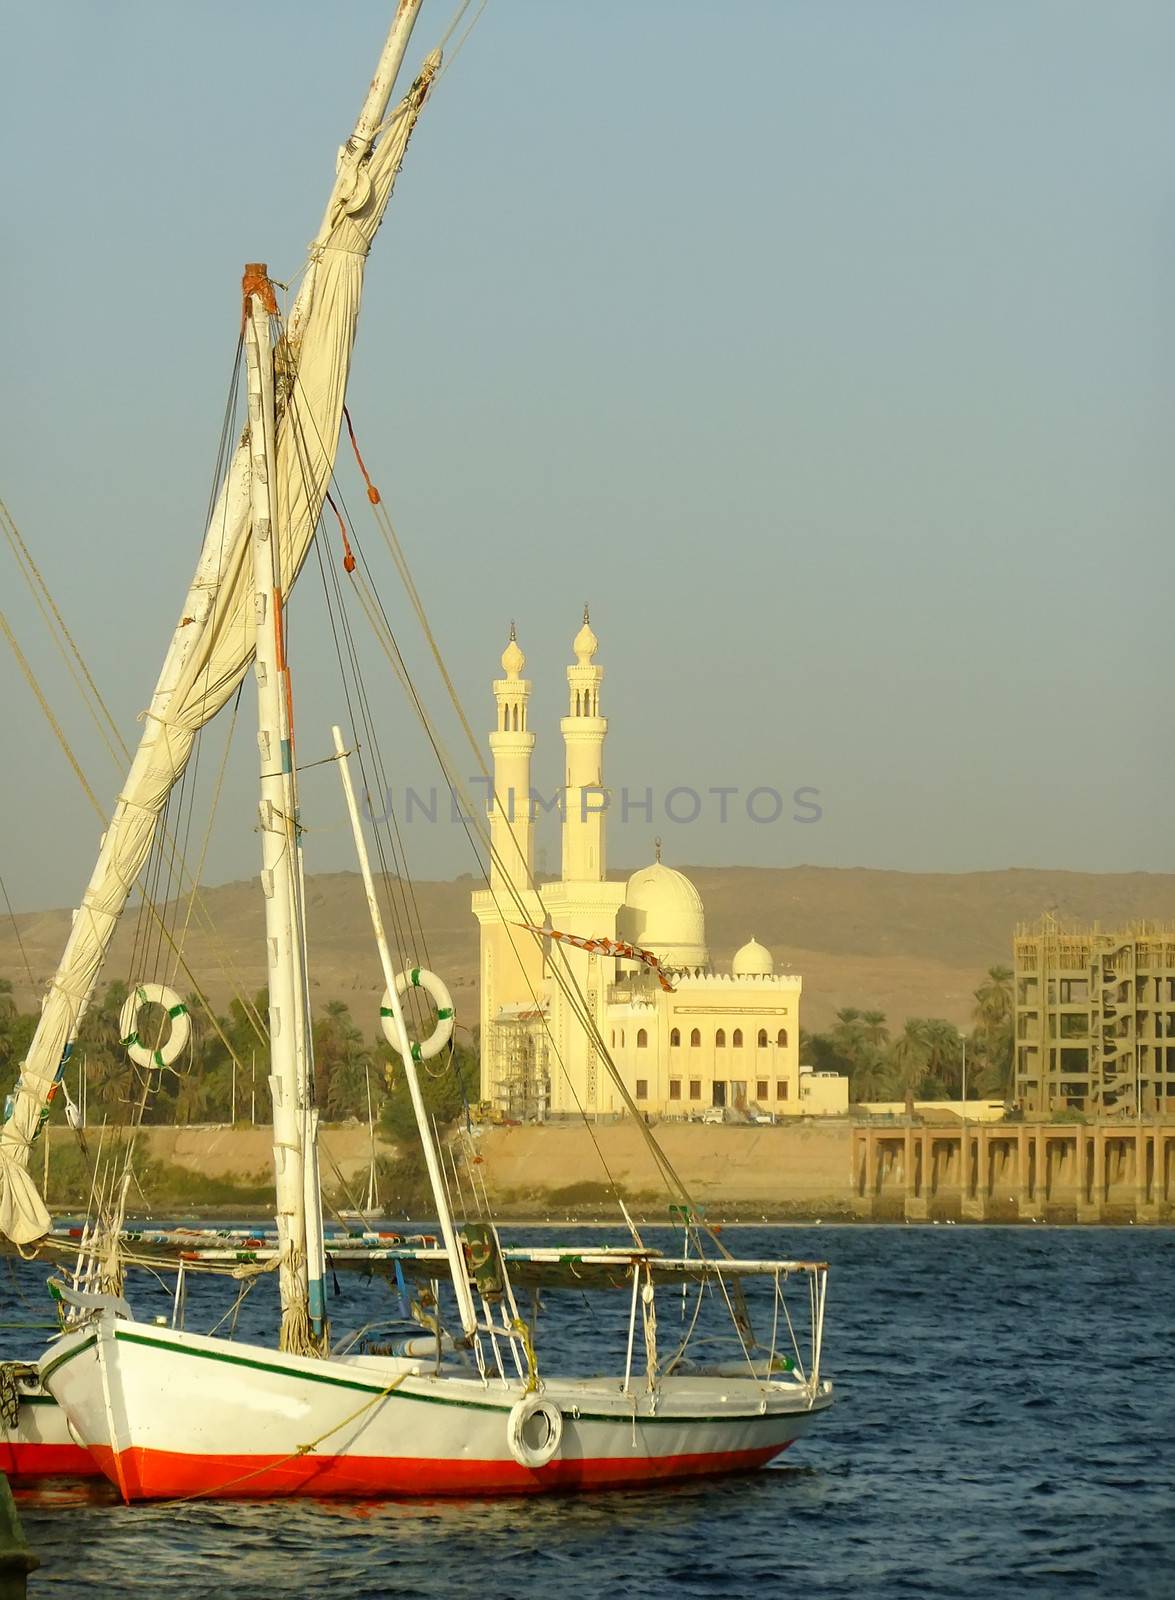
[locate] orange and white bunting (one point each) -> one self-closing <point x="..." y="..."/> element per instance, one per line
<point x="603" y="946"/>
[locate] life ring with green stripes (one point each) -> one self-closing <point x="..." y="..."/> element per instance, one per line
<point x="420" y="978"/>
<point x="154" y="994"/>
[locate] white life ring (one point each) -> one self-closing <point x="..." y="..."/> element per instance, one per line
<point x="529" y="1452"/>
<point x="420" y="978"/>
<point x="154" y="994"/>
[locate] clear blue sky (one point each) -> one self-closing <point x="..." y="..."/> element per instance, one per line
<point x="828" y="348"/>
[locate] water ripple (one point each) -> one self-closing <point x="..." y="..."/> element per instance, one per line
<point x="1005" y="1425"/>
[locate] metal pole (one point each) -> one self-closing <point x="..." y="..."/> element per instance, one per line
<point x="372" y="1189"/>
<point x="965" y="1152"/>
<point x="636" y="1280"/>
<point x="452" y="1245"/>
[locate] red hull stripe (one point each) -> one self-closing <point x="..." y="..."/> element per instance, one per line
<point x="25" y="1463"/>
<point x="166" y="1474"/>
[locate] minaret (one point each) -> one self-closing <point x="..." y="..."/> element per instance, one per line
<point x="511" y="809"/>
<point x="583" y="735"/>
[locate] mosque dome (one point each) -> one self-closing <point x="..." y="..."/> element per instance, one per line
<point x="513" y="659"/>
<point x="663" y="912"/>
<point x="754" y="960"/>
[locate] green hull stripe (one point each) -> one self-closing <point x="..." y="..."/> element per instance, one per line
<point x="68" y="1356"/>
<point x="502" y="1410"/>
<point x="378" y="1388"/>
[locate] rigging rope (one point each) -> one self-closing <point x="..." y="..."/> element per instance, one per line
<point x="16" y="930"/>
<point x="100" y="712"/>
<point x="565" y="977"/>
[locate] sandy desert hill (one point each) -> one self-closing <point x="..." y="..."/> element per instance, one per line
<point x="904" y="943"/>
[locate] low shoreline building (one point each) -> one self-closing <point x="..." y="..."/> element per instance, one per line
<point x="711" y="1041"/>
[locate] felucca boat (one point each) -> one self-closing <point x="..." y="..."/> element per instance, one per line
<point x="460" y="1401"/>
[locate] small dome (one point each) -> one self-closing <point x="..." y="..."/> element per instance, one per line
<point x="586" y="644"/>
<point x="754" y="960"/>
<point x="663" y="912"/>
<point x="513" y="659"/>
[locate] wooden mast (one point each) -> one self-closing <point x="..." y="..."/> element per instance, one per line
<point x="278" y="826"/>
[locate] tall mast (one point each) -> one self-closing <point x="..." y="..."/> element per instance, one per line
<point x="457" y="1269"/>
<point x="350" y="186"/>
<point x="278" y="811"/>
<point x="212" y="643"/>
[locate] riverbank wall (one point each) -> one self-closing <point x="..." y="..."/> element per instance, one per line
<point x="831" y="1170"/>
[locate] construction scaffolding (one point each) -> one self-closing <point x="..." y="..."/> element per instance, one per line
<point x="518" y="1053"/>
<point x="1095" y="1019"/>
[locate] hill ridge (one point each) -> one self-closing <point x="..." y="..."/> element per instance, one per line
<point x="905" y="943"/>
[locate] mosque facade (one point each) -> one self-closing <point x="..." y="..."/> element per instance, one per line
<point x="686" y="1039"/>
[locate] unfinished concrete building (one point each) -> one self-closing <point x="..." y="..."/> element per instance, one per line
<point x="1095" y="1019"/>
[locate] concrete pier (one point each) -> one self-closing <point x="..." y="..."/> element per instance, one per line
<point x="1008" y="1172"/>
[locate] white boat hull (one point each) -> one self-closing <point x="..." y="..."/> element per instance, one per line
<point x="168" y="1414"/>
<point x="40" y="1445"/>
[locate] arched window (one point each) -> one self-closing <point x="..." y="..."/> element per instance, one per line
<point x="695" y="1038"/>
<point x="675" y="1036"/>
<point x="737" y="1040"/>
<point x="762" y="1041"/>
<point x="613" y="1038"/>
<point x="515" y="719"/>
<point x="642" y="1039"/>
<point x="720" y="1038"/>
<point x="622" y="1038"/>
<point x="781" y="1038"/>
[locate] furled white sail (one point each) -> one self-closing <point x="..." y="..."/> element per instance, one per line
<point x="213" y="642"/>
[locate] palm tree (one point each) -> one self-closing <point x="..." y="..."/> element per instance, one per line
<point x="993" y="999"/>
<point x="910" y="1055"/>
<point x="993" y="1017"/>
<point x="874" y="1028"/>
<point x="848" y="1038"/>
<point x="193" y="1099"/>
<point x="868" y="1079"/>
<point x="945" y="1054"/>
<point x="16" y="1029"/>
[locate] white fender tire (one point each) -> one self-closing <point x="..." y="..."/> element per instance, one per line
<point x="524" y="1424"/>
<point x="420" y="978"/>
<point x="154" y="994"/>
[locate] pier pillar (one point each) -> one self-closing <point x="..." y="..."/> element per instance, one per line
<point x="975" y="1176"/>
<point x="864" y="1172"/>
<point x="1028" y="1175"/>
<point x="1146" y="1174"/>
<point x="915" y="1205"/>
<point x="1091" y="1174"/>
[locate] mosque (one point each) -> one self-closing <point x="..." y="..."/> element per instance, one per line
<point x="728" y="1041"/>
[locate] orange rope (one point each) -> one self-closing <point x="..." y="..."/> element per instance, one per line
<point x="372" y="491"/>
<point x="256" y="281"/>
<point x="348" y="558"/>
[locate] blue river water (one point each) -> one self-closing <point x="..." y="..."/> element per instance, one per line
<point x="1005" y="1426"/>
